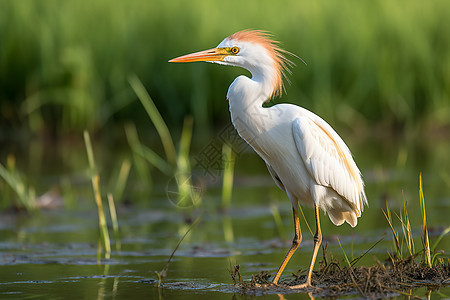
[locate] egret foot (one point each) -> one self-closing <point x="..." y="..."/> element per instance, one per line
<point x="305" y="285"/>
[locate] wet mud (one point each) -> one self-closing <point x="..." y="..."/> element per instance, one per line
<point x="392" y="277"/>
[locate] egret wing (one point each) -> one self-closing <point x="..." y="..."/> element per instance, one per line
<point x="329" y="160"/>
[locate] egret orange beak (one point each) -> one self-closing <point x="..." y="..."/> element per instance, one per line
<point x="215" y="54"/>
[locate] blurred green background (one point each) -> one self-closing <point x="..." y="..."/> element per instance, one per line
<point x="375" y="69"/>
<point x="64" y="65"/>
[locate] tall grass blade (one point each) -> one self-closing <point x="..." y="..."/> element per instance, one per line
<point x="156" y="118"/>
<point x="228" y="231"/>
<point x="115" y="222"/>
<point x="104" y="234"/>
<point x="25" y="194"/>
<point x="425" y="239"/>
<point x="440" y="237"/>
<point x="278" y="221"/>
<point x="345" y="255"/>
<point x="122" y="179"/>
<point x="388" y="217"/>
<point x="89" y="151"/>
<point x="95" y="179"/>
<point x="187" y="194"/>
<point x="140" y="164"/>
<point x="161" y="275"/>
<point x="356" y="259"/>
<point x="433" y="248"/>
<point x="145" y="152"/>
<point x="406" y="227"/>
<point x="228" y="175"/>
<point x="185" y="142"/>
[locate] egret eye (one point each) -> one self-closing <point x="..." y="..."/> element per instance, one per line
<point x="235" y="50"/>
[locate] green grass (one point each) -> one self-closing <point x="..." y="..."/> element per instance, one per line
<point x="95" y="179"/>
<point x="228" y="161"/>
<point x="370" y="65"/>
<point x="65" y="64"/>
<point x="114" y="220"/>
<point x="278" y="222"/>
<point x="25" y="194"/>
<point x="156" y="118"/>
<point x="429" y="253"/>
<point x="425" y="238"/>
<point x="176" y="165"/>
<point x="162" y="275"/>
<point x="118" y="184"/>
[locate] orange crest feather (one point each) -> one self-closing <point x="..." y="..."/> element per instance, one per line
<point x="282" y="64"/>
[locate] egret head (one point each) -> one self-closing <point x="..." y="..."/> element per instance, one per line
<point x="253" y="50"/>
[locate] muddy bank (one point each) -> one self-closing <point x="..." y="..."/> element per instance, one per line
<point x="390" y="278"/>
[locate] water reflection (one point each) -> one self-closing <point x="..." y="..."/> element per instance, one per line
<point x="57" y="247"/>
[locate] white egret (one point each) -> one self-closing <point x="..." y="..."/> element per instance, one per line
<point x="305" y="156"/>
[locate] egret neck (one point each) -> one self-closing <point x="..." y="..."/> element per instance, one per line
<point x="246" y="97"/>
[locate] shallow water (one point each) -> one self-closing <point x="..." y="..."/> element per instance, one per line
<point x="52" y="253"/>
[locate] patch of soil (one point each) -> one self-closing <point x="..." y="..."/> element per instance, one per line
<point x="389" y="278"/>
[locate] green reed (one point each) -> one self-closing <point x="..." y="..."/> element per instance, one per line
<point x="429" y="253"/>
<point x="176" y="165"/>
<point x="228" y="175"/>
<point x="156" y="118"/>
<point x="388" y="216"/>
<point x="26" y="196"/>
<point x="145" y="153"/>
<point x="114" y="220"/>
<point x="95" y="179"/>
<point x="162" y="275"/>
<point x="425" y="239"/>
<point x="117" y="185"/>
<point x="367" y="62"/>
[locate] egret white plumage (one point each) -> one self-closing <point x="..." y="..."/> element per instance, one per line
<point x="305" y="156"/>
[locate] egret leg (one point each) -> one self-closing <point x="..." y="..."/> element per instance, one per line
<point x="317" y="243"/>
<point x="295" y="243"/>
